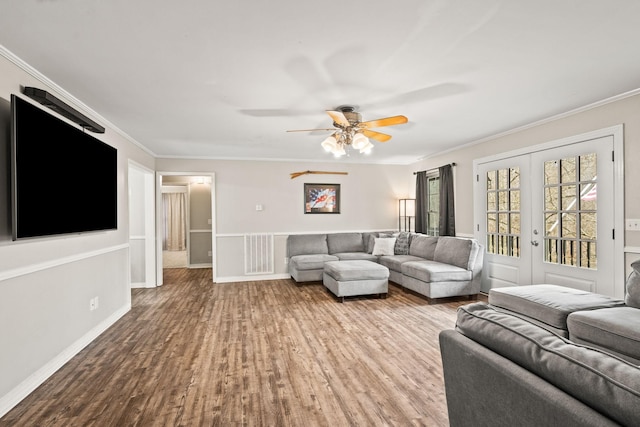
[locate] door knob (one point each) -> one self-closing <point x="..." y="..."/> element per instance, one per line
<point x="535" y="243"/>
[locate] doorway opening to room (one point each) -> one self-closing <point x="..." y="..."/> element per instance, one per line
<point x="185" y="221"/>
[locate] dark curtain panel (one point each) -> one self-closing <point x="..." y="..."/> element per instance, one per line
<point x="421" y="202"/>
<point x="447" y="211"/>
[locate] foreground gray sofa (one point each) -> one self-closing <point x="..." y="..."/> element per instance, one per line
<point x="435" y="267"/>
<point x="503" y="367"/>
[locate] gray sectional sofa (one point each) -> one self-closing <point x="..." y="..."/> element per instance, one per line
<point x="545" y="355"/>
<point x="435" y="267"/>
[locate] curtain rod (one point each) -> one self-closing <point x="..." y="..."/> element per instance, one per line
<point x="433" y="169"/>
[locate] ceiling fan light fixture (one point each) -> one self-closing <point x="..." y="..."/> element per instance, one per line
<point x="329" y="144"/>
<point x="360" y="141"/>
<point x="339" y="151"/>
<point x="366" y="148"/>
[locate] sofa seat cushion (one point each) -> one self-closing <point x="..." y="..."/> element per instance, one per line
<point x="433" y="271"/>
<point x="548" y="304"/>
<point x="348" y="256"/>
<point x="600" y="380"/>
<point x="311" y="262"/>
<point x="617" y="329"/>
<point x="344" y="271"/>
<point x="394" y="262"/>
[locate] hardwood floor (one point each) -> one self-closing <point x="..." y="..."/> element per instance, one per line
<point x="264" y="353"/>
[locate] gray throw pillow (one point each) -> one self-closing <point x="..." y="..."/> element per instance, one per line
<point x="632" y="298"/>
<point x="402" y="244"/>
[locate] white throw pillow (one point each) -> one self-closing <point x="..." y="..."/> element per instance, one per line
<point x="384" y="246"/>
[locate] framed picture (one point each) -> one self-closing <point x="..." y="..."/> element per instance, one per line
<point x="322" y="198"/>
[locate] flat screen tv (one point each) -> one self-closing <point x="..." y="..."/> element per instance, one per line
<point x="63" y="180"/>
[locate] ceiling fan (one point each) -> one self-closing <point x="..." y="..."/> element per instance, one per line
<point x="349" y="130"/>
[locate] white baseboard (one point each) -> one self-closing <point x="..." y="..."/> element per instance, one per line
<point x="201" y="265"/>
<point x="138" y="285"/>
<point x="15" y="396"/>
<point x="230" y="279"/>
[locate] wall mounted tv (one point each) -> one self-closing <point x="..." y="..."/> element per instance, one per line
<point x="63" y="180"/>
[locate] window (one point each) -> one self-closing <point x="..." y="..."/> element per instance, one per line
<point x="433" y="205"/>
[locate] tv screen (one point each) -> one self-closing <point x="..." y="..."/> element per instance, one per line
<point x="63" y="180"/>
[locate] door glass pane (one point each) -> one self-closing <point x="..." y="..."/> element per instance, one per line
<point x="569" y="256"/>
<point x="491" y="180"/>
<point x="503" y="201"/>
<point x="588" y="255"/>
<point x="588" y="226"/>
<point x="588" y="197"/>
<point x="588" y="170"/>
<point x="551" y="226"/>
<point x="492" y="221"/>
<point x="491" y="201"/>
<point x="514" y="225"/>
<point x="551" y="198"/>
<point x="515" y="200"/>
<point x="503" y="181"/>
<point x="568" y="170"/>
<point x="569" y="198"/>
<point x="514" y="176"/>
<point x="568" y="225"/>
<point x="550" y="172"/>
<point x="503" y="223"/>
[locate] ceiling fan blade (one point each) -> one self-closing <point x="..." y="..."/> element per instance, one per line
<point x="387" y="121"/>
<point x="339" y="118"/>
<point x="378" y="136"/>
<point x="309" y="130"/>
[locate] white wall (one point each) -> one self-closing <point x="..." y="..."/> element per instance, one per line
<point x="369" y="195"/>
<point x="46" y="284"/>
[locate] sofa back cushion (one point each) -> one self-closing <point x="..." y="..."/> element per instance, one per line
<point x="456" y="251"/>
<point x="307" y="244"/>
<point x="632" y="297"/>
<point x="423" y="246"/>
<point x="345" y="242"/>
<point x="606" y="383"/>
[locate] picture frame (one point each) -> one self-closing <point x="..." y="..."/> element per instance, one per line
<point x="321" y="198"/>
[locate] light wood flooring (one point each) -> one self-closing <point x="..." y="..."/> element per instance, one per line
<point x="264" y="353"/>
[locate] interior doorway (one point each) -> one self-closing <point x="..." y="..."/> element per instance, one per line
<point x="185" y="218"/>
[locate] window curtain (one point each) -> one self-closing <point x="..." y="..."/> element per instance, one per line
<point x="175" y="220"/>
<point x="422" y="219"/>
<point x="447" y="219"/>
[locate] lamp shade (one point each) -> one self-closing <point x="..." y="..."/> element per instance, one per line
<point x="359" y="141"/>
<point x="329" y="144"/>
<point x="366" y="149"/>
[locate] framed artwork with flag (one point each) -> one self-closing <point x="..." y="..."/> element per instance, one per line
<point x="322" y="198"/>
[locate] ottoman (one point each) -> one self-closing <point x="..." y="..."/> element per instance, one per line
<point x="356" y="277"/>
<point x="548" y="306"/>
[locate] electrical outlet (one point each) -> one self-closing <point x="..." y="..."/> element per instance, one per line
<point x="286" y="260"/>
<point x="633" y="224"/>
<point x="92" y="304"/>
<point x="209" y="253"/>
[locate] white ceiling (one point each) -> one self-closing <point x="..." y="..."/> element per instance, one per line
<point x="213" y="79"/>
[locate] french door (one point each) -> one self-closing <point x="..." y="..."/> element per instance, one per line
<point x="548" y="217"/>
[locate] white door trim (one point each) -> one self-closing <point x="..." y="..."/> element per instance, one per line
<point x="617" y="132"/>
